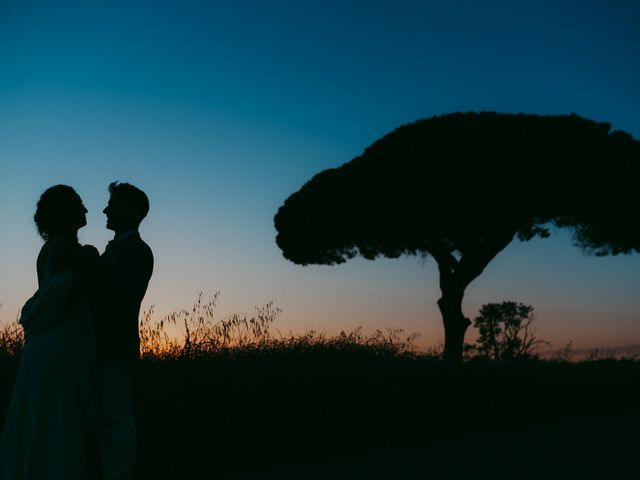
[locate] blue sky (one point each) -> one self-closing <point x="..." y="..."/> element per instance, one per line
<point x="220" y="110"/>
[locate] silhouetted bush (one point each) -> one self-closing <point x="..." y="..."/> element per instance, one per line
<point x="506" y="332"/>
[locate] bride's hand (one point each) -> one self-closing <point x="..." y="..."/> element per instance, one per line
<point x="87" y="255"/>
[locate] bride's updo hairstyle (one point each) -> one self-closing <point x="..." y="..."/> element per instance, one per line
<point x="54" y="203"/>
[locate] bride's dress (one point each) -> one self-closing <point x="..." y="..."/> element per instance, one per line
<point x="48" y="419"/>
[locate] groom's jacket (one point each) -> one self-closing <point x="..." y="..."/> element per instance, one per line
<point x="117" y="290"/>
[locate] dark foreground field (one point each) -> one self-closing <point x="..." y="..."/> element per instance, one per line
<point x="587" y="447"/>
<point x="357" y="412"/>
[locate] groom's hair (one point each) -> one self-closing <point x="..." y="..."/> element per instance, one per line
<point x="132" y="196"/>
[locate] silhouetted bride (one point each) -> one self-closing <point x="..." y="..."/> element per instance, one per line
<point x="48" y="419"/>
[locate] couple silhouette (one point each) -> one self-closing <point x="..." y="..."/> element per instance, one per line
<point x="70" y="415"/>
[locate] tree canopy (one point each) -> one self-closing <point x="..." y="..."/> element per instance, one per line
<point x="456" y="181"/>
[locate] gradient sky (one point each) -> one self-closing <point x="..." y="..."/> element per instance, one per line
<point x="220" y="110"/>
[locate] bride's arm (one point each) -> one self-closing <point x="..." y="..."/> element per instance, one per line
<point x="44" y="309"/>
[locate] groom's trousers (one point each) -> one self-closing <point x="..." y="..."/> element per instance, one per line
<point x="114" y="416"/>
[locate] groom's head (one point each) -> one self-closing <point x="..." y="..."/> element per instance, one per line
<point x="127" y="207"/>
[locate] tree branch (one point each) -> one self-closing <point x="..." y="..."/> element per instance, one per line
<point x="475" y="259"/>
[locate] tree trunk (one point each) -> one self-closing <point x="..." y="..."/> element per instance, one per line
<point x="455" y="275"/>
<point x="455" y="326"/>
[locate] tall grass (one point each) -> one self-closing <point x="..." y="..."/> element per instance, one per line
<point x="11" y="337"/>
<point x="198" y="332"/>
<point x="203" y="334"/>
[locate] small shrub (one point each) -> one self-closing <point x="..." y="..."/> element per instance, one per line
<point x="505" y="331"/>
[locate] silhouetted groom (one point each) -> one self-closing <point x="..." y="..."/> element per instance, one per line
<point x="120" y="283"/>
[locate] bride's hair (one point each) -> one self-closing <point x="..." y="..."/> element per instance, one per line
<point x="50" y="213"/>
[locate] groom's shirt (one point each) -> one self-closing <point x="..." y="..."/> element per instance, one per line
<point x="120" y="284"/>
